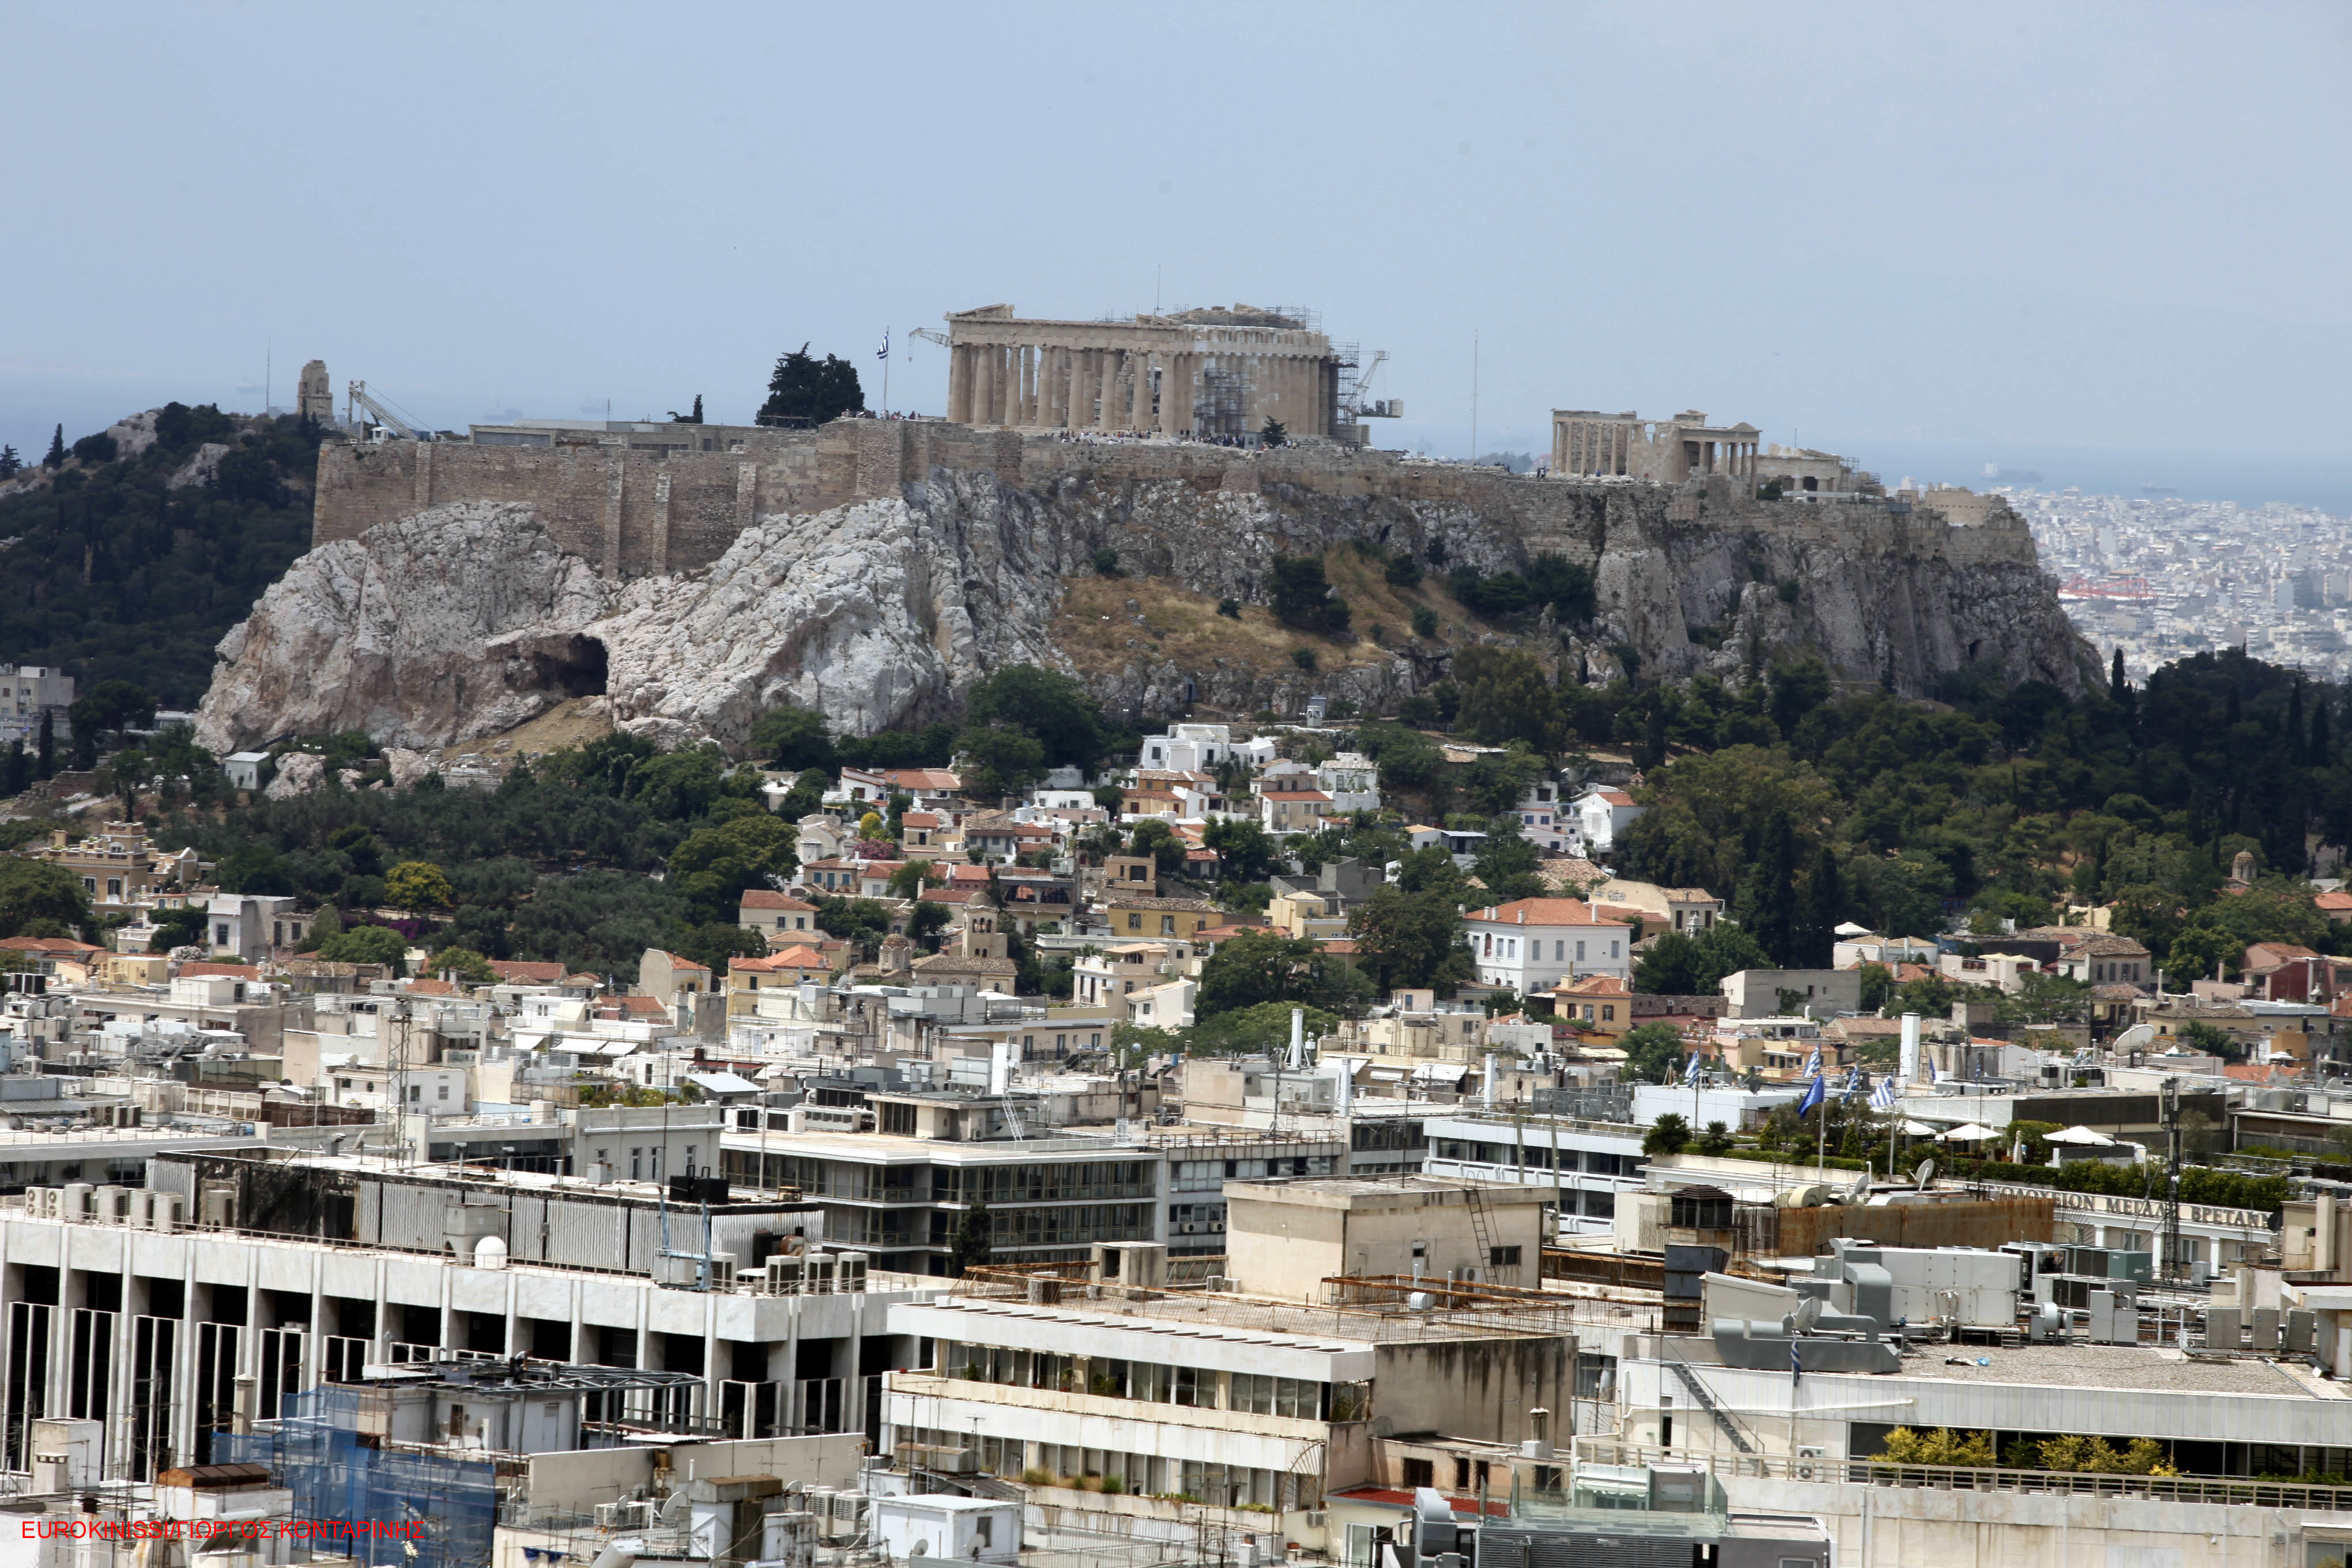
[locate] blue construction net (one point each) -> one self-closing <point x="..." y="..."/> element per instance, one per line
<point x="315" y="1451"/>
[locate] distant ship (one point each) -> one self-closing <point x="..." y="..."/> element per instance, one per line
<point x="2160" y="490"/>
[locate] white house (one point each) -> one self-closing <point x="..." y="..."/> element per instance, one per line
<point x="1602" y="813"/>
<point x="243" y="769"/>
<point x="1351" y="780"/>
<point x="1533" y="945"/>
<point x="1190" y="748"/>
<point x="1544" y="818"/>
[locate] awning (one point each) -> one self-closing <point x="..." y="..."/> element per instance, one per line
<point x="2077" y="1135"/>
<point x="1973" y="1132"/>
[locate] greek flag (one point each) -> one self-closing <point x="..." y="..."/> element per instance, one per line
<point x="1882" y="1097"/>
<point x="1933" y="1076"/>
<point x="1853" y="1086"/>
<point x="1690" y="1071"/>
<point x="1814" y="1063"/>
<point x="884" y="352"/>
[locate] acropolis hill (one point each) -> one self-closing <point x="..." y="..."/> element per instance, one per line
<point x="874" y="569"/>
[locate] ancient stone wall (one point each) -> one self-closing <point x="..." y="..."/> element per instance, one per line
<point x="633" y="513"/>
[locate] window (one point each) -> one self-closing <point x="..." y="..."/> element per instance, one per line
<point x="1580" y="953"/>
<point x="1502" y="1258"/>
<point x="1135" y="923"/>
<point x="636" y="1163"/>
<point x="1419" y="1473"/>
<point x="416" y="1094"/>
<point x="1167" y="925"/>
<point x="443" y="1091"/>
<point x="1559" y="952"/>
<point x="1609" y="1013"/>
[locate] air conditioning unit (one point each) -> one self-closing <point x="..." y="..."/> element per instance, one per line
<point x="112" y="1205"/>
<point x="216" y="1206"/>
<point x="1316" y="1518"/>
<point x="629" y="1513"/>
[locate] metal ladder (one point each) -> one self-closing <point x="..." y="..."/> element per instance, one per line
<point x="1476" y="1202"/>
<point x="1722" y="1418"/>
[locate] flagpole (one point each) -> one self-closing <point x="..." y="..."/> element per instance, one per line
<point x="886" y="371"/>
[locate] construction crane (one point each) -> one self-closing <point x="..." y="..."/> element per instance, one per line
<point x="1382" y="408"/>
<point x="930" y="335"/>
<point x="358" y="399"/>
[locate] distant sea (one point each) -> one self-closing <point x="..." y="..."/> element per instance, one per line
<point x="2192" y="475"/>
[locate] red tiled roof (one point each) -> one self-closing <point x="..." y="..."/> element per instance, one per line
<point x="199" y="970"/>
<point x="524" y="971"/>
<point x="769" y="899"/>
<point x="1550" y="912"/>
<point x="56" y="946"/>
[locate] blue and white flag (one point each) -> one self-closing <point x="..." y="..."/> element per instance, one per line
<point x="1853" y="1086"/>
<point x="1933" y="1076"/>
<point x="1796" y="1365"/>
<point x="884" y="352"/>
<point x="1813" y="1097"/>
<point x="1690" y="1069"/>
<point x="1882" y="1097"/>
<point x="1814" y="1063"/>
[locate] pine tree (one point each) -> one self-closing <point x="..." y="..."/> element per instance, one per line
<point x="10" y="465"/>
<point x="57" y="450"/>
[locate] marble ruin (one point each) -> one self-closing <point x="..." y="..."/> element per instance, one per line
<point x="1588" y="444"/>
<point x="315" y="398"/>
<point x="1205" y="373"/>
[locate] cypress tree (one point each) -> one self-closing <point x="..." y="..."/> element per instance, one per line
<point x="47" y="744"/>
<point x="2319" y="752"/>
<point x="2118" y="687"/>
<point x="57" y="450"/>
<point x="1817" y="922"/>
<point x="2293" y="737"/>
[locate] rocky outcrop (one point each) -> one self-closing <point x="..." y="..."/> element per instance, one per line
<point x="439" y="628"/>
<point x="462" y="621"/>
<point x="299" y="773"/>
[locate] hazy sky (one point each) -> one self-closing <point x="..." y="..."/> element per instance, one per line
<point x="1993" y="232"/>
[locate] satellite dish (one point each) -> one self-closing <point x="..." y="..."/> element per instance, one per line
<point x="1860" y="1190"/>
<point x="1923" y="1174"/>
<point x="676" y="1509"/>
<point x="1808" y="1312"/>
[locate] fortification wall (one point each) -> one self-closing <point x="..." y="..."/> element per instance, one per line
<point x="636" y="514"/>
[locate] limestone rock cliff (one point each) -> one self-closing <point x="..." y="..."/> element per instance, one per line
<point x="437" y="627"/>
<point x="462" y="621"/>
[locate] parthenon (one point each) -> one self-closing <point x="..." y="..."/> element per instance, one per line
<point x="1586" y="442"/>
<point x="1205" y="372"/>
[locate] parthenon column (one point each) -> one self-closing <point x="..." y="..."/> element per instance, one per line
<point x="983" y="383"/>
<point x="1176" y="395"/>
<point x="959" y="385"/>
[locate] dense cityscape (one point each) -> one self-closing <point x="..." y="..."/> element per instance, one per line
<point x="2161" y="577"/>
